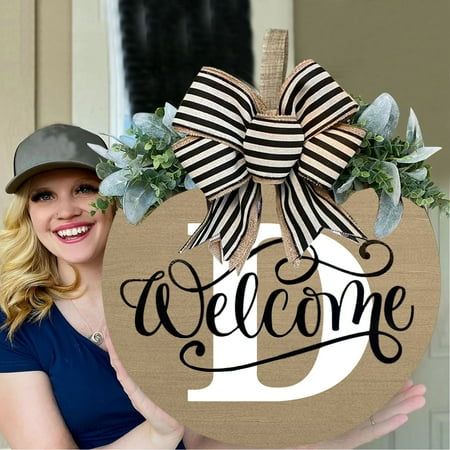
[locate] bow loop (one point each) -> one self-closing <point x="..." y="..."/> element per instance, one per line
<point x="327" y="154"/>
<point x="215" y="167"/>
<point x="314" y="97"/>
<point x="218" y="106"/>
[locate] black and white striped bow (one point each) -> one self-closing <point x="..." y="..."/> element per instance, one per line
<point x="234" y="143"/>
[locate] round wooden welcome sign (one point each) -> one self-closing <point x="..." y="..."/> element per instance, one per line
<point x="278" y="355"/>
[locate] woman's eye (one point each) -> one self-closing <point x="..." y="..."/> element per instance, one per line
<point x="87" y="189"/>
<point x="41" y="196"/>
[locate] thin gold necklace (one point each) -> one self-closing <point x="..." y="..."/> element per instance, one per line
<point x="97" y="337"/>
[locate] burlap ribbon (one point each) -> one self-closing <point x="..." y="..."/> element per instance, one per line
<point x="234" y="143"/>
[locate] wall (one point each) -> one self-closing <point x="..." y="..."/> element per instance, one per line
<point x="17" y="83"/>
<point x="36" y="48"/>
<point x="90" y="77"/>
<point x="35" y="75"/>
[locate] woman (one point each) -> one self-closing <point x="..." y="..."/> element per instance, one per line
<point x="59" y="373"/>
<point x="57" y="388"/>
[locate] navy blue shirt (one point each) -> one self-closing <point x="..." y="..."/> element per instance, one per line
<point x="91" y="400"/>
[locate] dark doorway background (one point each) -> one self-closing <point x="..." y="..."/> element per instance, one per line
<point x="166" y="42"/>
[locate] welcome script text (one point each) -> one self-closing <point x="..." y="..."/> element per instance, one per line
<point x="344" y="311"/>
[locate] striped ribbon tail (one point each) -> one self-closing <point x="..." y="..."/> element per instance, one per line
<point x="305" y="213"/>
<point x="230" y="225"/>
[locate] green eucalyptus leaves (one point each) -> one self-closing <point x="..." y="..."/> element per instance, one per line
<point x="141" y="169"/>
<point x="393" y="167"/>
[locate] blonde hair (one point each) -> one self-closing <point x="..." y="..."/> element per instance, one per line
<point x="29" y="279"/>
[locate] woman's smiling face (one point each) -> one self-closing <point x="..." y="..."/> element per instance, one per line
<point x="59" y="208"/>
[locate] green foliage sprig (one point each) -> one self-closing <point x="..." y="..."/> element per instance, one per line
<point x="141" y="170"/>
<point x="392" y="166"/>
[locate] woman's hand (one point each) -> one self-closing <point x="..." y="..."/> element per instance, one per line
<point x="166" y="432"/>
<point x="392" y="416"/>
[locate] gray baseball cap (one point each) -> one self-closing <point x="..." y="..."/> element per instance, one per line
<point x="53" y="147"/>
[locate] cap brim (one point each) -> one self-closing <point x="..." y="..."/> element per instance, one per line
<point x="14" y="185"/>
